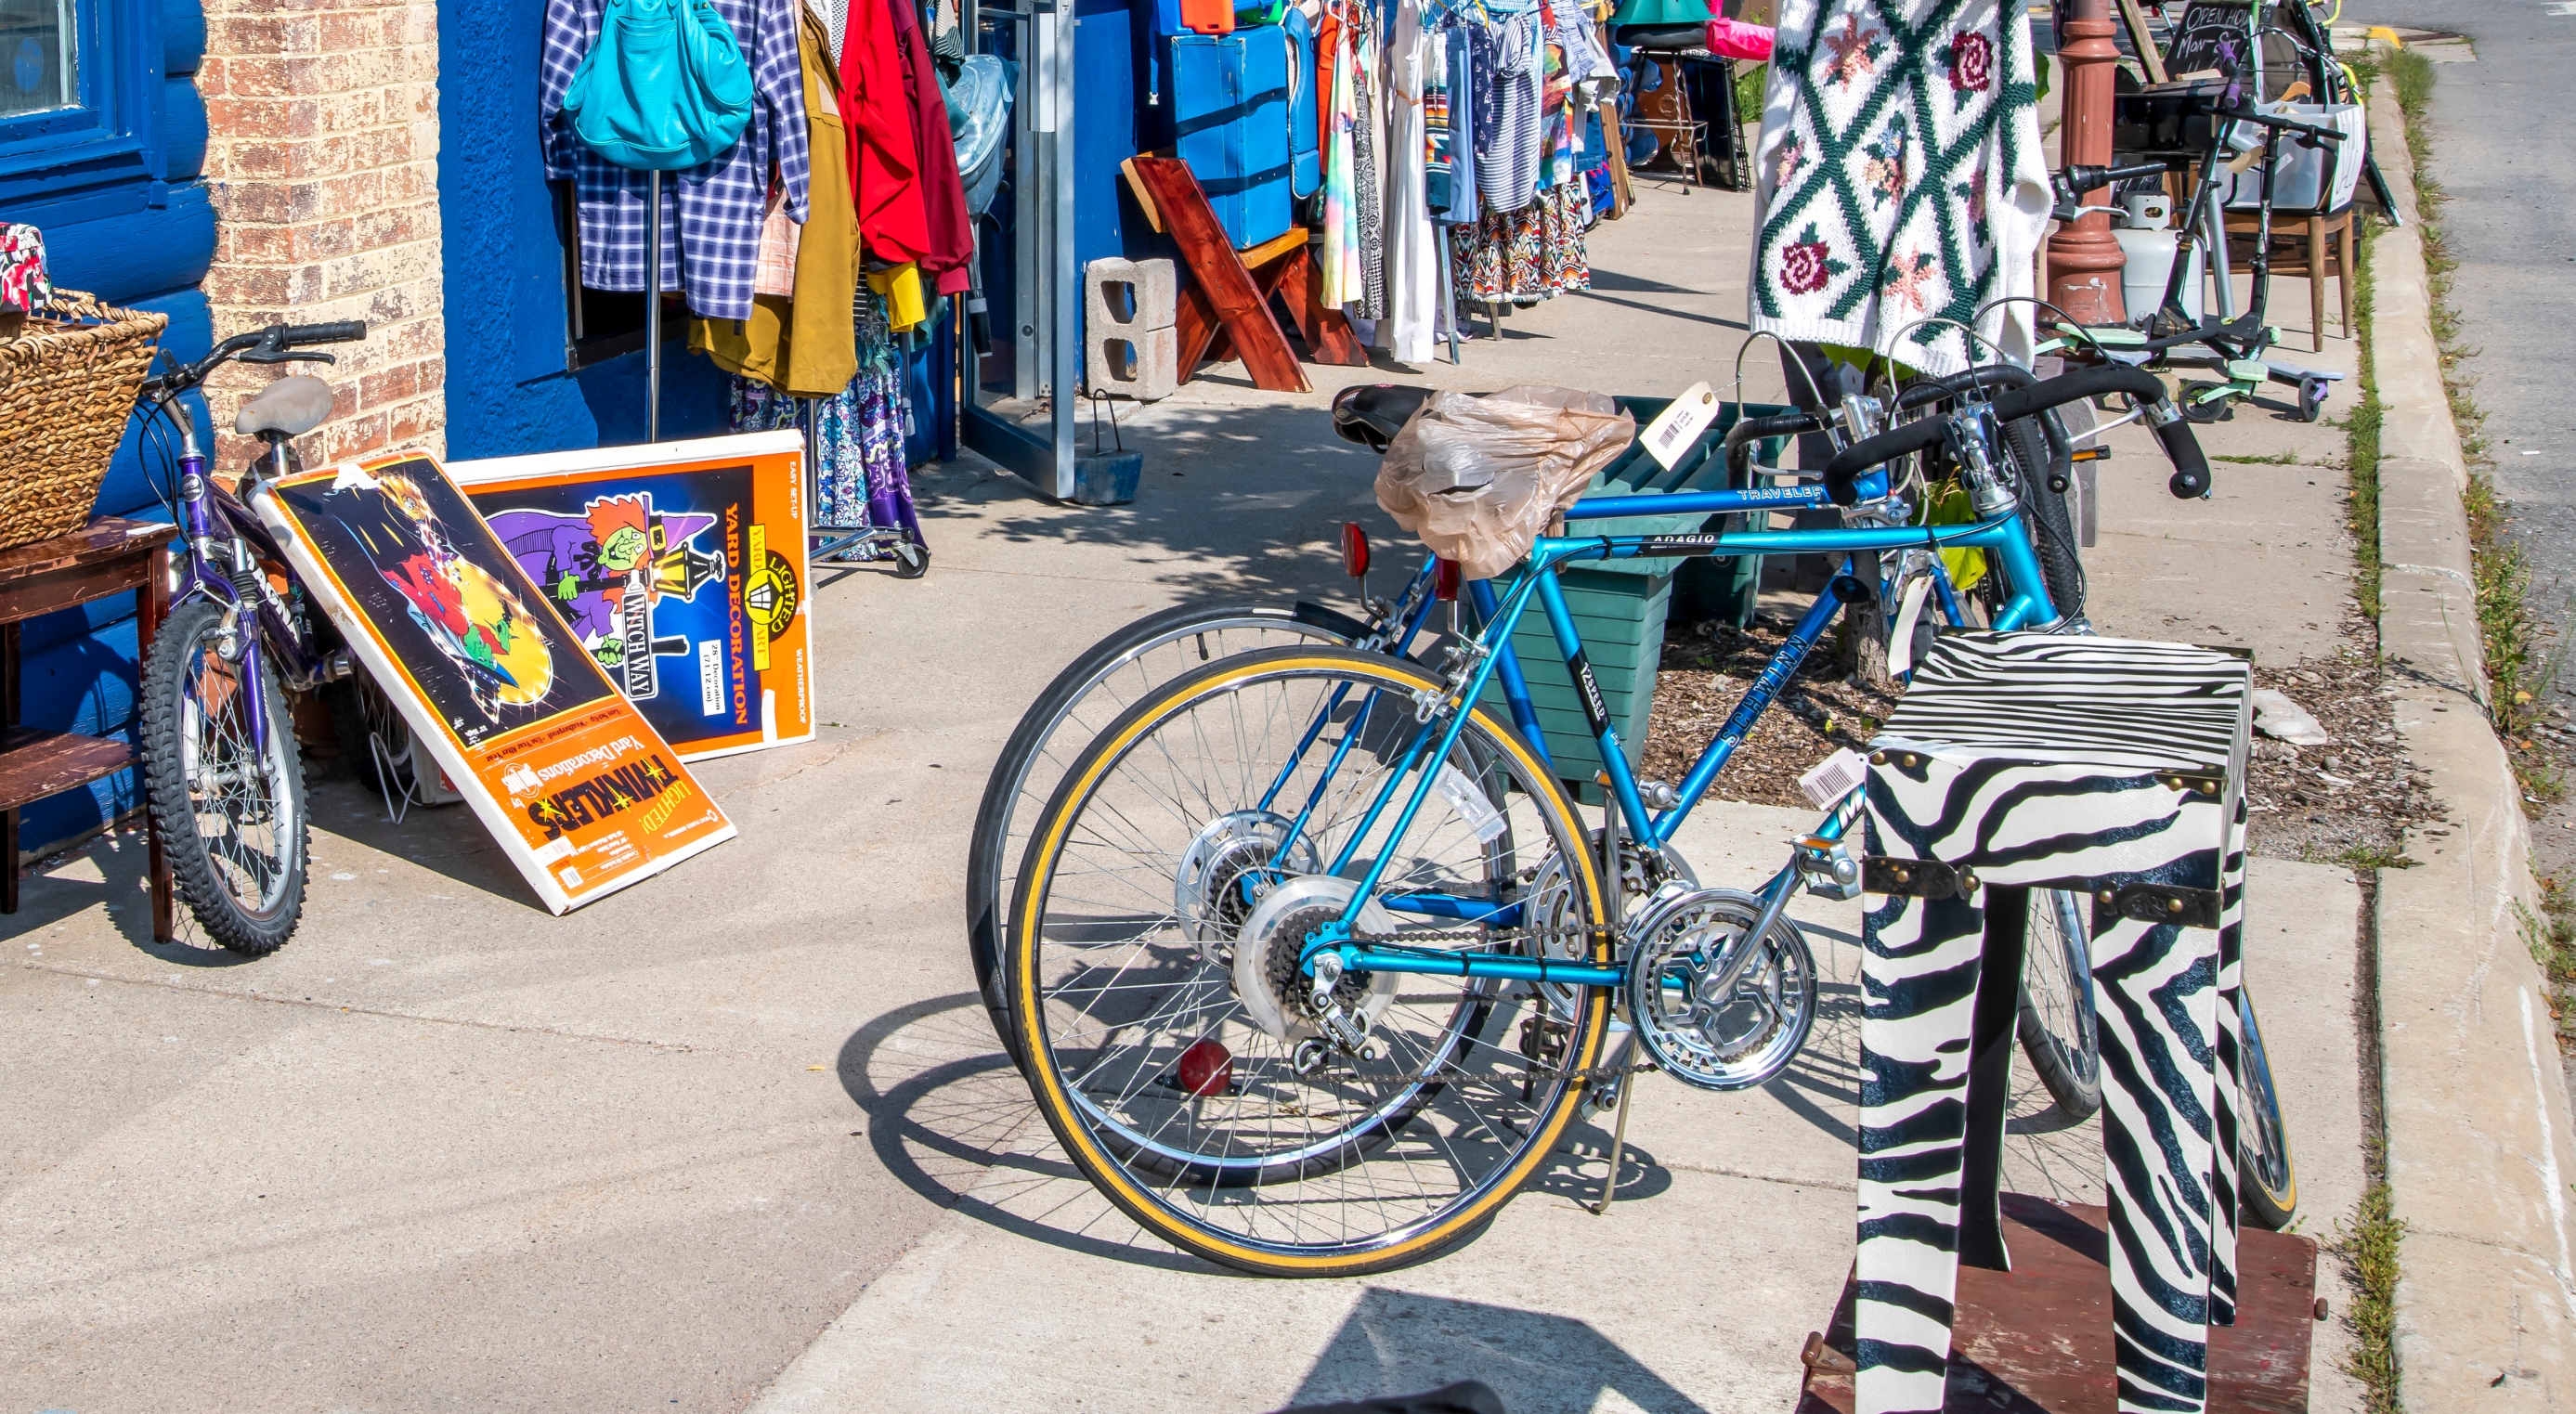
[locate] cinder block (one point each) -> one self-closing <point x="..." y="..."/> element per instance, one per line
<point x="1144" y="364"/>
<point x="1129" y="294"/>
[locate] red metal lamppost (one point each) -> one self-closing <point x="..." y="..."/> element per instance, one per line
<point x="2084" y="258"/>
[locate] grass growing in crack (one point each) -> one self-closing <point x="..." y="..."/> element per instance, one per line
<point x="2361" y="442"/>
<point x="2275" y="459"/>
<point x="2373" y="856"/>
<point x="2367" y="1243"/>
<point x="2519" y="645"/>
<point x="2551" y="936"/>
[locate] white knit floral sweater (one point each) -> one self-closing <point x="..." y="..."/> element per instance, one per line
<point x="1901" y="178"/>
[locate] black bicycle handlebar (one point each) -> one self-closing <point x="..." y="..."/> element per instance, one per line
<point x="2293" y="125"/>
<point x="346" y="331"/>
<point x="1940" y="390"/>
<point x="1747" y="431"/>
<point x="2191" y="470"/>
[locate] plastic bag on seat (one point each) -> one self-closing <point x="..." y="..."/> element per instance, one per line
<point x="1479" y="478"/>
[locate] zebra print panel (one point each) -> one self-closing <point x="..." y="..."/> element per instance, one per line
<point x="2230" y="1109"/>
<point x="2038" y="760"/>
<point x="2138" y="703"/>
<point x="2156" y="998"/>
<point x="1919" y="971"/>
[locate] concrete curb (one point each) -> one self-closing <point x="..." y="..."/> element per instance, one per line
<point x="2475" y="1101"/>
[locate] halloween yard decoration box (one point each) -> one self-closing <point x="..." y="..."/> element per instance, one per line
<point x="580" y="791"/>
<point x="680" y="568"/>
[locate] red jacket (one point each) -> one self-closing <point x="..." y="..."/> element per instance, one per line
<point x="885" y="150"/>
<point x="943" y="192"/>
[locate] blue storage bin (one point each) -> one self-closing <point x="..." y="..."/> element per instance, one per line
<point x="1230" y="102"/>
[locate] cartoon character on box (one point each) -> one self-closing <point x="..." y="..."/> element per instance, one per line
<point x="476" y="621"/>
<point x="606" y="567"/>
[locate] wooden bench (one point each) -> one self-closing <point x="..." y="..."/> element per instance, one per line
<point x="109" y="556"/>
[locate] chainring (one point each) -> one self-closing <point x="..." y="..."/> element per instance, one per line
<point x="1730" y="1042"/>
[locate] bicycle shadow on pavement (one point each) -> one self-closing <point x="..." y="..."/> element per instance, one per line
<point x="1396" y="1341"/>
<point x="949" y="1116"/>
<point x="107" y="870"/>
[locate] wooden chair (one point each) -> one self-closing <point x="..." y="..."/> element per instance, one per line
<point x="1225" y="305"/>
<point x="2316" y="247"/>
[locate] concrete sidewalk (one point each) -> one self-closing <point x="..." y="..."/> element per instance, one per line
<point x="445" y="1150"/>
<point x="1734" y="1228"/>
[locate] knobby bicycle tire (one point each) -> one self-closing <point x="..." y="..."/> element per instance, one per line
<point x="1106" y="1148"/>
<point x="990" y="851"/>
<point x="170" y="786"/>
<point x="2038" y="456"/>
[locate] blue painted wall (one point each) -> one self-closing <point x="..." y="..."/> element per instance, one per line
<point x="126" y="218"/>
<point x="507" y="391"/>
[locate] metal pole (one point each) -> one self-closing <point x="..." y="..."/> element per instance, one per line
<point x="653" y="308"/>
<point x="2084" y="258"/>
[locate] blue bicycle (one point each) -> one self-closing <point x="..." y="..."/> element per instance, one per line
<point x="1312" y="959"/>
<point x="2056" y="1024"/>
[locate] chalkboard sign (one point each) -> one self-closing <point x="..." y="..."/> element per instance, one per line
<point x="2214" y="34"/>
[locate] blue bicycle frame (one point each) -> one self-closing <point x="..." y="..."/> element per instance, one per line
<point x="2002" y="537"/>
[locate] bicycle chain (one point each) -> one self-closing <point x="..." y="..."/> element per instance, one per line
<point x="1475" y="935"/>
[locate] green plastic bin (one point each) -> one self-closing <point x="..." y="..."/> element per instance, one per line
<point x="1620" y="606"/>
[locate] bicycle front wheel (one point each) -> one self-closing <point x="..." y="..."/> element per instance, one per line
<point x="1168" y="1031"/>
<point x="2055" y="1022"/>
<point x="227" y="800"/>
<point x="2266" y="1175"/>
<point x="1082" y="701"/>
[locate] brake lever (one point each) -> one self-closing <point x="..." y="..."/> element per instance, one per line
<point x="286" y="356"/>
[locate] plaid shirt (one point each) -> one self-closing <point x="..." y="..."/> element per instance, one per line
<point x="718" y="205"/>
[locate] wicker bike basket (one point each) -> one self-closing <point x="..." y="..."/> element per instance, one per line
<point x="67" y="386"/>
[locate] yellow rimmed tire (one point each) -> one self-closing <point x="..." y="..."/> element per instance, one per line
<point x="1168" y="1032"/>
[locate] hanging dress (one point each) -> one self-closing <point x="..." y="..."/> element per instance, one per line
<point x="1412" y="278"/>
<point x="1343" y="278"/>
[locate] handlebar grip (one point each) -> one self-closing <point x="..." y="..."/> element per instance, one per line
<point x="347" y="331"/>
<point x="2190" y="480"/>
<point x="1941" y="390"/>
<point x="2076" y="386"/>
<point x="1747" y="431"/>
<point x="1849" y="463"/>
<point x="2191" y="469"/>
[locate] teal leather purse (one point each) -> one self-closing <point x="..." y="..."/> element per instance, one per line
<point x="663" y="89"/>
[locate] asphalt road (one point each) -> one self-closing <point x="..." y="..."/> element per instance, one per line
<point x="2504" y="149"/>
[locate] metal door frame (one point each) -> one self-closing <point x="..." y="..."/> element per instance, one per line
<point x="1046" y="318"/>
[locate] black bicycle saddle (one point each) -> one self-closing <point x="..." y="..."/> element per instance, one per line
<point x="1372" y="413"/>
<point x="1662" y="38"/>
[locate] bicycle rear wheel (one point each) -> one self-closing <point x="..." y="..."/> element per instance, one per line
<point x="1082" y="701"/>
<point x="2055" y="1022"/>
<point x="227" y="801"/>
<point x="1168" y="1032"/>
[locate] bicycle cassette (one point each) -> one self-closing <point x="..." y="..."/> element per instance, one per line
<point x="1704" y="1029"/>
<point x="1277" y="995"/>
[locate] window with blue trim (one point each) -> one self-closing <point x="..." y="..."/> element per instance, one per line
<point x="40" y="39"/>
<point x="81" y="104"/>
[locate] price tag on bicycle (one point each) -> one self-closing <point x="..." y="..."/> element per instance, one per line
<point x="1678" y="427"/>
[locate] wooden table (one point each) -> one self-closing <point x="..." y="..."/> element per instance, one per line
<point x="109" y="556"/>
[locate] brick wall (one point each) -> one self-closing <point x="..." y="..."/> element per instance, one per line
<point x="324" y="164"/>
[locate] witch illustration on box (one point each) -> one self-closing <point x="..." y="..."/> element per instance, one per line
<point x="605" y="567"/>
